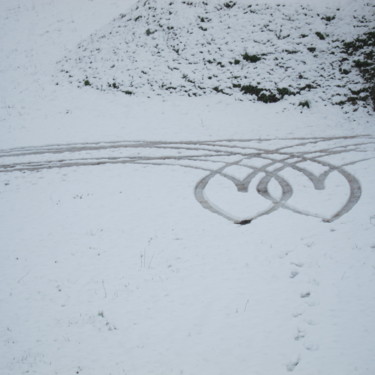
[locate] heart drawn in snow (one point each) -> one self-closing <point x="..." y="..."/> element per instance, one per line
<point x="319" y="204"/>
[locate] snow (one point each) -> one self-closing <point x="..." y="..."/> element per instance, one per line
<point x="120" y="252"/>
<point x="196" y="48"/>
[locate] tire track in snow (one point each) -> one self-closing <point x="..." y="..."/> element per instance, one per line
<point x="263" y="159"/>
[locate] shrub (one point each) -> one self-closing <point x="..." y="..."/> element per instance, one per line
<point x="263" y="95"/>
<point x="266" y="95"/>
<point x="251" y="90"/>
<point x="328" y="18"/>
<point x="308" y="86"/>
<point x="284" y="91"/>
<point x="372" y="96"/>
<point x="363" y="48"/>
<point x="113" y="85"/>
<point x="290" y="51"/>
<point x="268" y="98"/>
<point x="362" y="64"/>
<point x="251" y="58"/>
<point x="344" y="71"/>
<point x="304" y="104"/>
<point x="229" y="4"/>
<point x="367" y="40"/>
<point x="150" y="32"/>
<point x="218" y="90"/>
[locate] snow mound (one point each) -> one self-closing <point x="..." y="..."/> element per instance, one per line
<point x="261" y="52"/>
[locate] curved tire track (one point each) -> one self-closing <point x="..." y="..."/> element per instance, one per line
<point x="215" y="158"/>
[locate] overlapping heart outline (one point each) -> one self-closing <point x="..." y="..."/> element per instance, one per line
<point x="242" y="185"/>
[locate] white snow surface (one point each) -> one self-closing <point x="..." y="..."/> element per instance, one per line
<point x="121" y="247"/>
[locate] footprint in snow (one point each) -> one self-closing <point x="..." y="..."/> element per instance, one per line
<point x="293" y="364"/>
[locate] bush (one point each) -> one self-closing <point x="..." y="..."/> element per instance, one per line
<point x="268" y="98"/>
<point x="251" y="90"/>
<point x="363" y="48"/>
<point x="362" y="64"/>
<point x="372" y="96"/>
<point x="320" y="35"/>
<point x="328" y="18"/>
<point x="229" y="4"/>
<point x="113" y="85"/>
<point x="367" y="40"/>
<point x="251" y="58"/>
<point x="263" y="95"/>
<point x="304" y="104"/>
<point x="150" y="32"/>
<point x="284" y="91"/>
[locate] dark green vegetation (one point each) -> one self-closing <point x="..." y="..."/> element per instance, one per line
<point x="320" y="35"/>
<point x="304" y="104"/>
<point x="229" y="4"/>
<point x="251" y="58"/>
<point x="263" y="95"/>
<point x="363" y="51"/>
<point x="273" y="96"/>
<point x="328" y="18"/>
<point x="266" y="95"/>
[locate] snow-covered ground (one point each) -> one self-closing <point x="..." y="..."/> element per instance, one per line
<point x="121" y="238"/>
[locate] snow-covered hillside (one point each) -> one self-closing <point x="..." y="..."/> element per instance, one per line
<point x="258" y="51"/>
